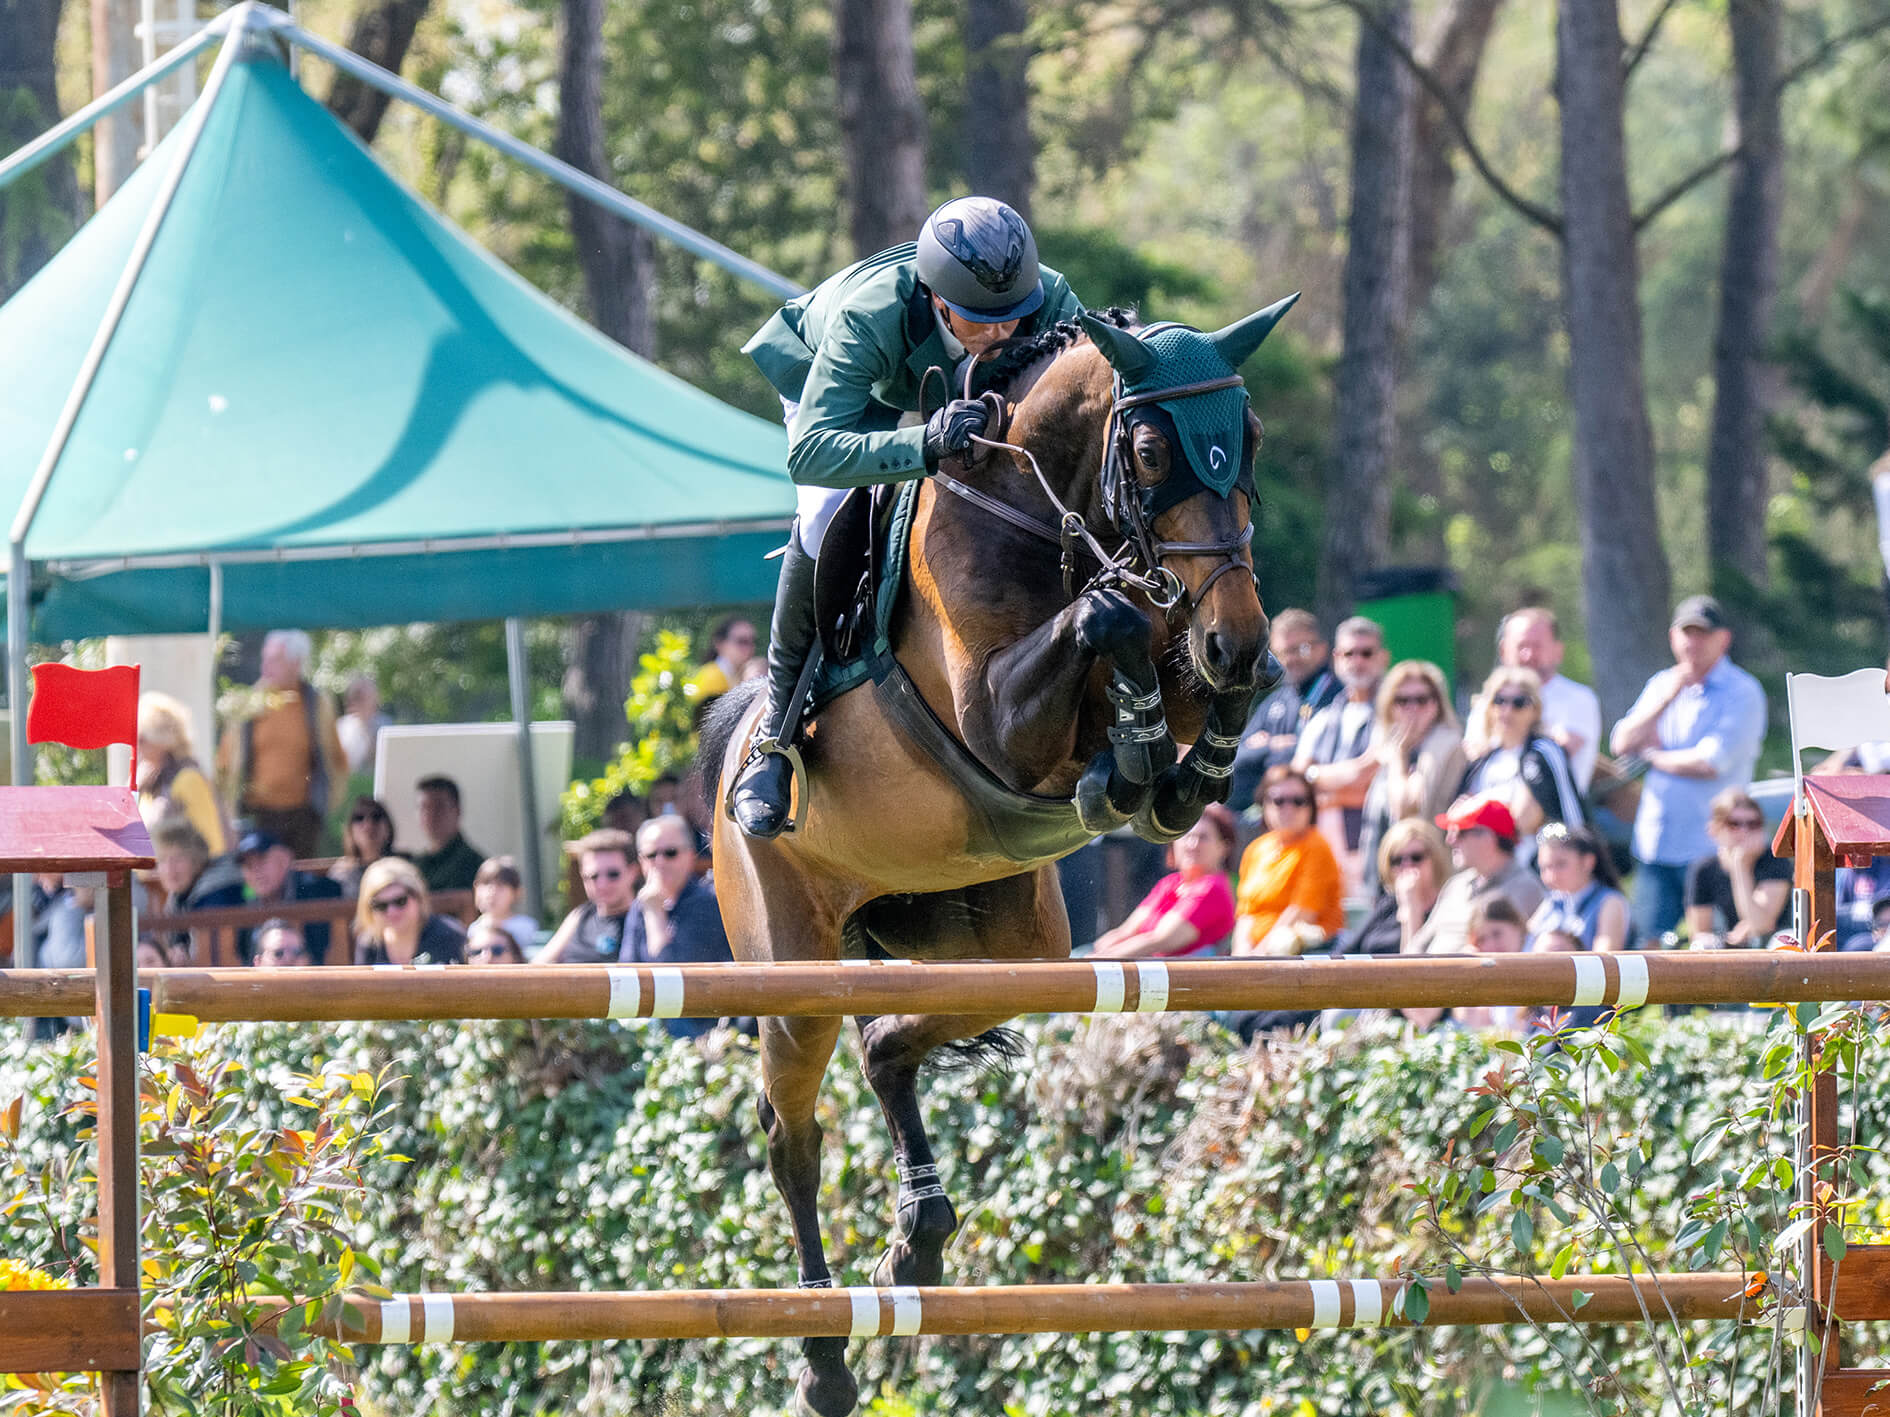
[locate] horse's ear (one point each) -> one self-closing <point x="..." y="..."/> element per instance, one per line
<point x="1239" y="340"/>
<point x="1131" y="358"/>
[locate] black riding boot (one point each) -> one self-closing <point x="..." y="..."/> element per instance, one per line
<point x="764" y="793"/>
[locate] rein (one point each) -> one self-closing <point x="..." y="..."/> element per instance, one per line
<point x="1138" y="561"/>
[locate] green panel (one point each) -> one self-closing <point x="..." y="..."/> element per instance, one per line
<point x="313" y="358"/>
<point x="1422" y="626"/>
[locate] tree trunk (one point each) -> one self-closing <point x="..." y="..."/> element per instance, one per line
<point x="1000" y="158"/>
<point x="382" y="34"/>
<point x="1453" y="51"/>
<point x="39" y="211"/>
<point x="618" y="262"/>
<point x="1625" y="582"/>
<point x="1744" y="381"/>
<point x="882" y="121"/>
<point x="1375" y="281"/>
<point x="116" y="56"/>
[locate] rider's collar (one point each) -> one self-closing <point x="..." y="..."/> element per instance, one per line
<point x="953" y="345"/>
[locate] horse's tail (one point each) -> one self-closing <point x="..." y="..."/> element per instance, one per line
<point x="719" y="722"/>
<point x="994" y="1050"/>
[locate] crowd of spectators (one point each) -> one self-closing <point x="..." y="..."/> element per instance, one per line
<point x="648" y="892"/>
<point x="1371" y="823"/>
<point x="1369" y="817"/>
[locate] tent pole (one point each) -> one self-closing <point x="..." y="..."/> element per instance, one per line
<point x="19" y="611"/>
<point x="19" y="577"/>
<point x="562" y="173"/>
<point x="55" y="139"/>
<point x="213" y="631"/>
<point x="530" y="865"/>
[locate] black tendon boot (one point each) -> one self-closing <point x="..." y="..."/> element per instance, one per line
<point x="764" y="792"/>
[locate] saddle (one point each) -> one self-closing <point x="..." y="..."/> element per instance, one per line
<point x="857" y="581"/>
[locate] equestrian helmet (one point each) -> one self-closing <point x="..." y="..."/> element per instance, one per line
<point x="978" y="256"/>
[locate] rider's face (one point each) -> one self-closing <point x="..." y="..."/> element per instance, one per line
<point x="975" y="337"/>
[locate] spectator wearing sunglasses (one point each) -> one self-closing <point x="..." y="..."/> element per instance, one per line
<point x="1736" y="895"/>
<point x="367" y="837"/>
<point x="1335" y="750"/>
<point x="676" y="919"/>
<point x="594" y="932"/>
<point x="1288" y="901"/>
<point x="1519" y="765"/>
<point x="1481" y="834"/>
<point x="394" y="921"/>
<point x="1420" y="755"/>
<point x="488" y="942"/>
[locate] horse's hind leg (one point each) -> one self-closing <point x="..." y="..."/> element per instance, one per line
<point x="1017" y="918"/>
<point x="794" y="1056"/>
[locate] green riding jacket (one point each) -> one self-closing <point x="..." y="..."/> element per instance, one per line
<point x="851" y="353"/>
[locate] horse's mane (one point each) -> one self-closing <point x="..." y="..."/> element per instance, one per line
<point x="1018" y="356"/>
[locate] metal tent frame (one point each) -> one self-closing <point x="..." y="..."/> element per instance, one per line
<point x="252" y="23"/>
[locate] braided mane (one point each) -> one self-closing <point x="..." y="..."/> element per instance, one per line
<point x="1019" y="355"/>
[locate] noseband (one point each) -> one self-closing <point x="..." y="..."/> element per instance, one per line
<point x="1137" y="562"/>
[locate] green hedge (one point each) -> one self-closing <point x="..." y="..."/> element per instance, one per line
<point x="595" y="1156"/>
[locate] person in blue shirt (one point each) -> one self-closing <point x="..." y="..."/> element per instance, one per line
<point x="1698" y="728"/>
<point x="674" y="919"/>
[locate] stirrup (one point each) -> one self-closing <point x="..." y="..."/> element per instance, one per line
<point x="759" y="748"/>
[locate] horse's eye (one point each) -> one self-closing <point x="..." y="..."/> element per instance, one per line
<point x="1152" y="454"/>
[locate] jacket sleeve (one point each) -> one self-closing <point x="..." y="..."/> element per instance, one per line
<point x="826" y="444"/>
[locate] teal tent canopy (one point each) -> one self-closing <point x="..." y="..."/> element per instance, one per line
<point x="326" y="390"/>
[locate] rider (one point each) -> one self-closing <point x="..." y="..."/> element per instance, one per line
<point x="847" y="360"/>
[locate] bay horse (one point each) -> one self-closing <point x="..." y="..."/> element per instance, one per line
<point x="1026" y="711"/>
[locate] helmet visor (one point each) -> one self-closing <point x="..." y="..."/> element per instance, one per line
<point x="1029" y="305"/>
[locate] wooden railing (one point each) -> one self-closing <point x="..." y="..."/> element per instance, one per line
<point x="213" y="932"/>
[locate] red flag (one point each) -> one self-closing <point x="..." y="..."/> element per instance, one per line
<point x="85" y="708"/>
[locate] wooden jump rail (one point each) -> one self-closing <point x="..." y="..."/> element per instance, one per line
<point x="1075" y="986"/>
<point x="1026" y="1308"/>
<point x="97" y="830"/>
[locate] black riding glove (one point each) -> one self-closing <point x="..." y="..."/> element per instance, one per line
<point x="950" y="429"/>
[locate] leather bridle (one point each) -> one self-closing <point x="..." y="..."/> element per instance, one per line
<point x="1138" y="561"/>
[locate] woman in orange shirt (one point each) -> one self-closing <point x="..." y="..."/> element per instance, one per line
<point x="1288" y="900"/>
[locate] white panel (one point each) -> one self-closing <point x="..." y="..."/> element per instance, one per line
<point x="625" y="992"/>
<point x="905" y="1312"/>
<point x="1368" y="1303"/>
<point x="666" y="986"/>
<point x="1591" y="980"/>
<point x="1633" y="980"/>
<point x="1110" y="986"/>
<point x="1153" y="977"/>
<point x="1325" y="1303"/>
<point x="437" y="1324"/>
<point x="865" y="1311"/>
<point x="396" y="1321"/>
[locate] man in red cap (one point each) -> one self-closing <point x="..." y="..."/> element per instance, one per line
<point x="1482" y="836"/>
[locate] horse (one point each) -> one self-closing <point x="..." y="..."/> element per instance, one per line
<point x="1041" y="681"/>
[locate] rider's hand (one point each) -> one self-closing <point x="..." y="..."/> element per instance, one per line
<point x="951" y="428"/>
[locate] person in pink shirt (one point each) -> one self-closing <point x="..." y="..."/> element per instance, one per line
<point x="1191" y="911"/>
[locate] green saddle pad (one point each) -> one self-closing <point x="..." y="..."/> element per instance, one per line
<point x="874" y="657"/>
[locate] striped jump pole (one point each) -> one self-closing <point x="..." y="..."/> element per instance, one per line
<point x="1037" y="1308"/>
<point x="968" y="987"/>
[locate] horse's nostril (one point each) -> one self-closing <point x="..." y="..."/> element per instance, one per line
<point x="1220" y="650"/>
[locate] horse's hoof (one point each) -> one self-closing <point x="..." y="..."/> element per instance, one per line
<point x="1094" y="808"/>
<point x="883" y="1275"/>
<point x="831" y="1395"/>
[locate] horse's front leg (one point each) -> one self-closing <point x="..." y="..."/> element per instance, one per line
<point x="1036" y="688"/>
<point x="1201" y="777"/>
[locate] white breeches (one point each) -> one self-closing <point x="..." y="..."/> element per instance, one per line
<point x="813" y="506"/>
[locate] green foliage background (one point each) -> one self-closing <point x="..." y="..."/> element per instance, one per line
<point x="591" y="1156"/>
